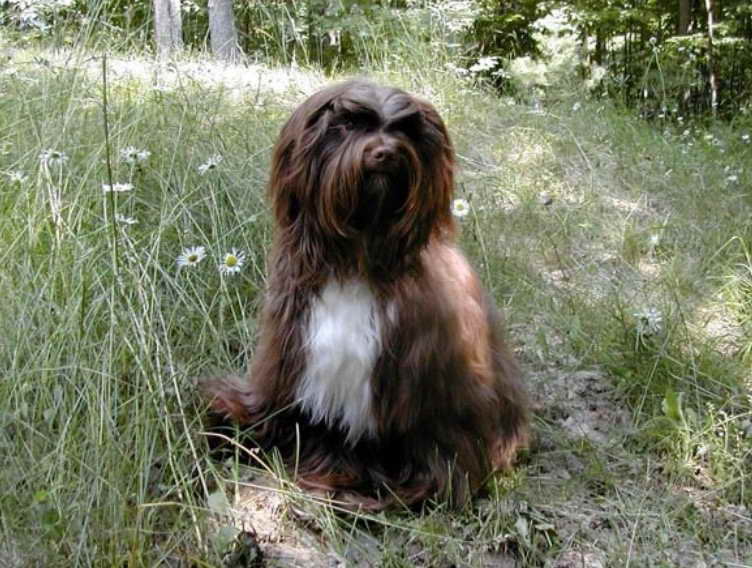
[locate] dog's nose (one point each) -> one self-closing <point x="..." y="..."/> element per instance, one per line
<point x="380" y="155"/>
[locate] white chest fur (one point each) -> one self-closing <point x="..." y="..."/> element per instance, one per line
<point x="343" y="341"/>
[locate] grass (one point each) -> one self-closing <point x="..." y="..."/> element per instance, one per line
<point x="581" y="221"/>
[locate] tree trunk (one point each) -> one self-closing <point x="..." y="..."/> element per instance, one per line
<point x="685" y="12"/>
<point x="224" y="36"/>
<point x="168" y="27"/>
<point x="600" y="46"/>
<point x="710" y="7"/>
<point x="315" y="11"/>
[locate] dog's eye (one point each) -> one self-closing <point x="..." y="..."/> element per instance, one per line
<point x="355" y="122"/>
<point x="409" y="125"/>
<point x="343" y="126"/>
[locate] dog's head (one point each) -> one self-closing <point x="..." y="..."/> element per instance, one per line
<point x="358" y="162"/>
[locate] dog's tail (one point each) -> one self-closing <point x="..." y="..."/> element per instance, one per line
<point x="229" y="397"/>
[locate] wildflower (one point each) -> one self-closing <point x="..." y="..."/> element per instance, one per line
<point x="232" y="262"/>
<point x="191" y="256"/>
<point x="125" y="220"/>
<point x="733" y="178"/>
<point x="745" y="138"/>
<point x="649" y="321"/>
<point x="484" y="64"/>
<point x="53" y="157"/>
<point x="460" y="208"/>
<point x="117" y="187"/>
<point x="501" y="73"/>
<point x="210" y="164"/>
<point x="576" y="106"/>
<point x="132" y="155"/>
<point x="17" y="176"/>
<point x="460" y="71"/>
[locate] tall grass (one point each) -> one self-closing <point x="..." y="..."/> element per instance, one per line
<point x="103" y="333"/>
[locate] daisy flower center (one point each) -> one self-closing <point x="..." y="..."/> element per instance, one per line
<point x="231" y="260"/>
<point x="192" y="257"/>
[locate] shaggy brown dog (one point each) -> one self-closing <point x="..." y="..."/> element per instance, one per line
<point x="380" y="373"/>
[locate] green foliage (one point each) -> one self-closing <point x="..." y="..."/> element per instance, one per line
<point x="327" y="33"/>
<point x="631" y="50"/>
<point x="652" y="67"/>
<point x="506" y="28"/>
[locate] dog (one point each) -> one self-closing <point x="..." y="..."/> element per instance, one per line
<point x="380" y="375"/>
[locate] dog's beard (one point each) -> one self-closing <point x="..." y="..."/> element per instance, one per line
<point x="382" y="196"/>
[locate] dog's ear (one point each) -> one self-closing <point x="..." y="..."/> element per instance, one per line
<point x="442" y="166"/>
<point x="428" y="205"/>
<point x="295" y="162"/>
<point x="435" y="134"/>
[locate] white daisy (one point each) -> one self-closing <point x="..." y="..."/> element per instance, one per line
<point x="117" y="187"/>
<point x="210" y="164"/>
<point x="745" y="138"/>
<point x="191" y="256"/>
<point x="649" y="321"/>
<point x="232" y="262"/>
<point x="132" y="155"/>
<point x="484" y="64"/>
<point x="460" y="208"/>
<point x="53" y="157"/>
<point x="162" y="88"/>
<point x="17" y="176"/>
<point x="125" y="220"/>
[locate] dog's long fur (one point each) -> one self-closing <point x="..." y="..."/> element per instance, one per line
<point x="380" y="374"/>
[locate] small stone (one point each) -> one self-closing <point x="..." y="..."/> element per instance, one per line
<point x="546" y="198"/>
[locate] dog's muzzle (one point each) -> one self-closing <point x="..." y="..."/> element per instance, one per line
<point x="381" y="155"/>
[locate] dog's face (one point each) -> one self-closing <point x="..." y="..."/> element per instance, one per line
<point x="361" y="161"/>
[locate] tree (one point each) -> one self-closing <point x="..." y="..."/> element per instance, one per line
<point x="224" y="36"/>
<point x="710" y="7"/>
<point x="168" y="27"/>
<point x="685" y="12"/>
